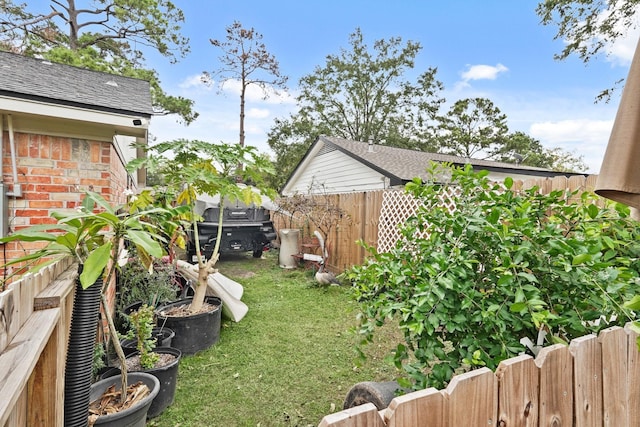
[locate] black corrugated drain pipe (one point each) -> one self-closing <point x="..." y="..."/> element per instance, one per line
<point x="82" y="338"/>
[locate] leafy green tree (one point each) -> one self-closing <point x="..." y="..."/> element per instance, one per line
<point x="104" y="36"/>
<point x="466" y="285"/>
<point x="587" y="27"/>
<point x="476" y="128"/>
<point x="363" y="94"/>
<point x="245" y="59"/>
<point x="526" y="150"/>
<point x="473" y="127"/>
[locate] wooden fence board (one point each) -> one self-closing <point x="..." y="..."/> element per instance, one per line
<point x="423" y="408"/>
<point x="359" y="416"/>
<point x="615" y="392"/>
<point x="633" y="378"/>
<point x="556" y="386"/>
<point x="518" y="387"/>
<point x="46" y="384"/>
<point x="57" y="292"/>
<point x="9" y="318"/>
<point x="472" y="399"/>
<point x="587" y="379"/>
<point x="22" y="356"/>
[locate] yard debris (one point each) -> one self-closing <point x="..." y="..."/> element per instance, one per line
<point x="109" y="402"/>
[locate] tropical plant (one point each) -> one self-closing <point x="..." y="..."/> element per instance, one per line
<point x="193" y="167"/>
<point x="470" y="285"/>
<point x="139" y="284"/>
<point x="92" y="235"/>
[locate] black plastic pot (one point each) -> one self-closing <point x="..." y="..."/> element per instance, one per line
<point x="78" y="365"/>
<point x="135" y="416"/>
<point x="166" y="375"/>
<point x="195" y="332"/>
<point x="163" y="335"/>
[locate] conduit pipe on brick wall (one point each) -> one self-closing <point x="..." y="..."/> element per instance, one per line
<point x="17" y="188"/>
<point x="1" y="145"/>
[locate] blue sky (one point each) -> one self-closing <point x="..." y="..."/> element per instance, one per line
<point x="486" y="48"/>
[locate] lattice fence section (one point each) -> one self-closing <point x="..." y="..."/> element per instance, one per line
<point x="397" y="207"/>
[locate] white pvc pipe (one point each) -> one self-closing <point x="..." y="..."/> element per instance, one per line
<point x="17" y="189"/>
<point x="1" y="145"/>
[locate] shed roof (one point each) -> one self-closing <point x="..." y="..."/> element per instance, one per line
<point x="400" y="165"/>
<point x="405" y="164"/>
<point x="68" y="85"/>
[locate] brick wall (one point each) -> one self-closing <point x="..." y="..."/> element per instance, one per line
<point x="54" y="172"/>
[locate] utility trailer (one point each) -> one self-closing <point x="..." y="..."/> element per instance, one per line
<point x="244" y="229"/>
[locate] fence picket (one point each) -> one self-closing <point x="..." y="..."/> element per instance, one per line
<point x="518" y="386"/>
<point x="633" y="378"/>
<point x="359" y="416"/>
<point x="587" y="367"/>
<point x="556" y="386"/>
<point x="423" y="408"/>
<point x="472" y="399"/>
<point x="615" y="394"/>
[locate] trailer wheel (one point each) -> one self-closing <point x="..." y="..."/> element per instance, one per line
<point x="257" y="253"/>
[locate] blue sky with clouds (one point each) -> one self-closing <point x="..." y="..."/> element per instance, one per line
<point x="488" y="48"/>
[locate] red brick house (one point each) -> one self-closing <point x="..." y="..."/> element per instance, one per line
<point x="64" y="130"/>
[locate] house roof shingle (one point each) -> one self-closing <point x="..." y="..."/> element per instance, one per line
<point x="406" y="164"/>
<point x="68" y="85"/>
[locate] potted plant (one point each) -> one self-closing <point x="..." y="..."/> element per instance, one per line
<point x="159" y="361"/>
<point x="92" y="235"/>
<point x="199" y="167"/>
<point x="136" y="286"/>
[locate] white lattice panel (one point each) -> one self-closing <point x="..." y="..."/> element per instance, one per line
<point x="397" y="207"/>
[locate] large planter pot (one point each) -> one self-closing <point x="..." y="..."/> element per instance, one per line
<point x="193" y="332"/>
<point x="289" y="246"/>
<point x="135" y="416"/>
<point x="163" y="335"/>
<point x="167" y="376"/>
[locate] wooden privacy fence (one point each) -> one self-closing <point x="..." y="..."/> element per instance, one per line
<point x="35" y="313"/>
<point x="595" y="381"/>
<point x="374" y="217"/>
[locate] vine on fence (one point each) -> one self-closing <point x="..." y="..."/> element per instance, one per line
<point x="467" y="285"/>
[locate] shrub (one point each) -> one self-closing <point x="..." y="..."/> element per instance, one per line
<point x="467" y="284"/>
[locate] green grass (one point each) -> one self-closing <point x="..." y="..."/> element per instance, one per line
<point x="289" y="362"/>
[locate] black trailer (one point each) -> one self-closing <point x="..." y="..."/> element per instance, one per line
<point x="244" y="229"/>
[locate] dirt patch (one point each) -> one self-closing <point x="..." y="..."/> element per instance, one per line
<point x="185" y="310"/>
<point x="246" y="275"/>
<point x="133" y="362"/>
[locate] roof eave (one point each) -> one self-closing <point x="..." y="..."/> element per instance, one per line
<point x="123" y="123"/>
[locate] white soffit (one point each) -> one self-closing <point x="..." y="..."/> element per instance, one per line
<point x="99" y="121"/>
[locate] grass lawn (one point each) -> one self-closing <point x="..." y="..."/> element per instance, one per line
<point x="289" y="362"/>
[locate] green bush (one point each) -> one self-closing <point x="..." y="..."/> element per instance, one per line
<point x="467" y="285"/>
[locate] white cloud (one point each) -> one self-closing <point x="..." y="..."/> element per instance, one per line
<point x="219" y="115"/>
<point x="583" y="137"/>
<point x="256" y="94"/>
<point x="257" y="113"/>
<point x="194" y="81"/>
<point x="479" y="72"/>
